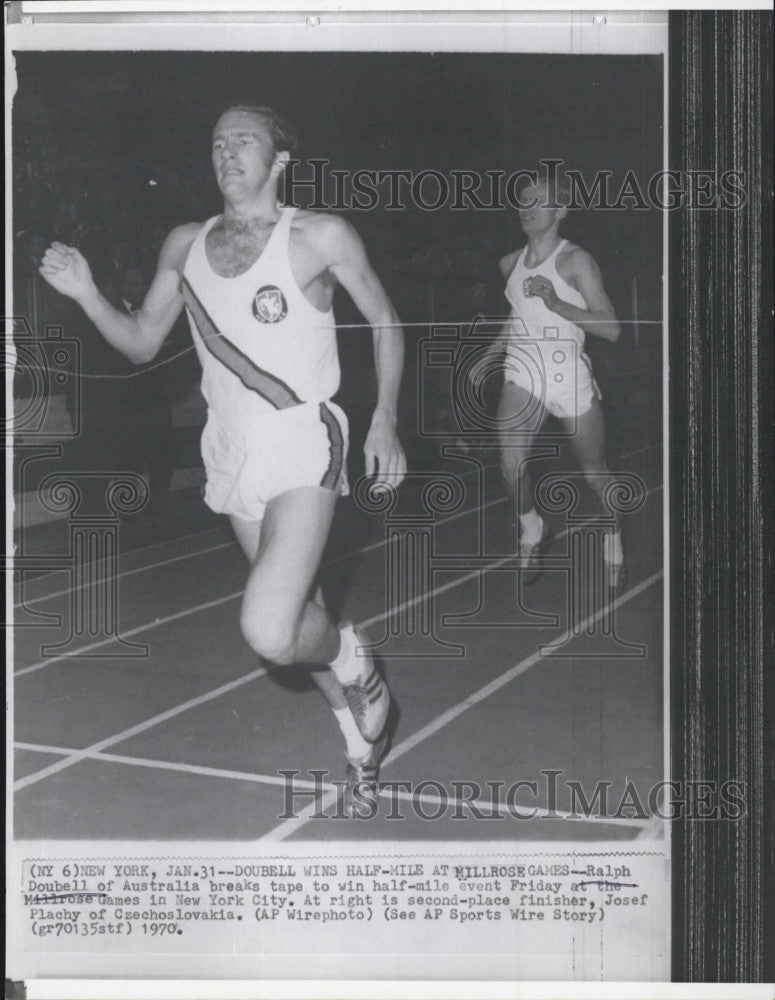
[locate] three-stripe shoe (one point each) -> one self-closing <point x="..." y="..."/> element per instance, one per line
<point x="367" y="695"/>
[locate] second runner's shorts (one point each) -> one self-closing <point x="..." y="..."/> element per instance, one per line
<point x="556" y="373"/>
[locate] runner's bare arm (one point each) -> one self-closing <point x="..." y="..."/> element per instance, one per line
<point x="599" y="317"/>
<point x="137" y="337"/>
<point x="350" y="265"/>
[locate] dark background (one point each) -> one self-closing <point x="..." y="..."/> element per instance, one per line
<point x="92" y="130"/>
<point x="111" y="150"/>
<point x="119" y="120"/>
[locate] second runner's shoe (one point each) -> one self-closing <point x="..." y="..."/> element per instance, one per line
<point x="530" y="555"/>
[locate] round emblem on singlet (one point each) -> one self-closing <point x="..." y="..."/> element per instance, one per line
<point x="269" y="305"/>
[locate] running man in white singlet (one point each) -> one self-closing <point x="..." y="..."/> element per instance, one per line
<point x="556" y="294"/>
<point x="257" y="283"/>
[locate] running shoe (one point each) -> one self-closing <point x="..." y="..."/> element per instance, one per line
<point x="362" y="777"/>
<point x="615" y="577"/>
<point x="530" y="555"/>
<point x="368" y="696"/>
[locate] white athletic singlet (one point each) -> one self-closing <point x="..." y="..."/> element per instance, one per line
<point x="538" y="322"/>
<point x="545" y="353"/>
<point x="262" y="346"/>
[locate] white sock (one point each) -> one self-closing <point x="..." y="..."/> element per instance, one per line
<point x="612" y="548"/>
<point x="347" y="666"/>
<point x="357" y="746"/>
<point x="531" y="527"/>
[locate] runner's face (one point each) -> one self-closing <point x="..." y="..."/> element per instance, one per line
<point x="243" y="152"/>
<point x="537" y="217"/>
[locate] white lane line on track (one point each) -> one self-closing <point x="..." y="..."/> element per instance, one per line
<point x="142" y="548"/>
<point x="230" y="597"/>
<point x="638" y="451"/>
<point x="471" y="575"/>
<point x="198" y="552"/>
<point x="347" y="555"/>
<point x="291" y="826"/>
<point x="389" y="794"/>
<point x="171" y="713"/>
<point x="126" y="734"/>
<point x="127" y="572"/>
<point x="156" y="623"/>
<point x="211" y="604"/>
<point x="209" y="531"/>
<point x="32" y="668"/>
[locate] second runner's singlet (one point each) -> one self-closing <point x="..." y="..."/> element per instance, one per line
<point x="262" y="346"/>
<point x="535" y="324"/>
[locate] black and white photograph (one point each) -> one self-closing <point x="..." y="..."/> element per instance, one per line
<point x="341" y="508"/>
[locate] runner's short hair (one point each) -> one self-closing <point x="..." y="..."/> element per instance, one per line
<point x="283" y="136"/>
<point x="559" y="184"/>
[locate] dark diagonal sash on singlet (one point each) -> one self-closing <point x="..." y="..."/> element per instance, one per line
<point x="268" y="386"/>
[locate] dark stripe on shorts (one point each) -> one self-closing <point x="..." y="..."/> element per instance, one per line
<point x="268" y="386"/>
<point x="336" y="449"/>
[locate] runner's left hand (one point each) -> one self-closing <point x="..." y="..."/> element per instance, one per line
<point x="384" y="455"/>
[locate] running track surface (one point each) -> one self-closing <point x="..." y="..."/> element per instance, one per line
<point x="188" y="741"/>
